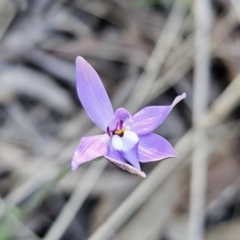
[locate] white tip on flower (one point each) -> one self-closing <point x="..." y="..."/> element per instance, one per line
<point x="74" y="166"/>
<point x="126" y="142"/>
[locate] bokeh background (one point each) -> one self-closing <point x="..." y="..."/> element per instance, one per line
<point x="146" y="52"/>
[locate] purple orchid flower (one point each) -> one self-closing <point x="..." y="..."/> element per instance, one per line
<point x="128" y="140"/>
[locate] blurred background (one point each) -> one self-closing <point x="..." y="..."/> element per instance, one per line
<point x="146" y="52"/>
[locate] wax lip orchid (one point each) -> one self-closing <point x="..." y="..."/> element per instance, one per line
<point x="128" y="140"/>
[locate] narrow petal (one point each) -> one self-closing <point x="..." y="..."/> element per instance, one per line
<point x="89" y="148"/>
<point x="92" y="94"/>
<point x="149" y="118"/>
<point x="131" y="157"/>
<point x="153" y="147"/>
<point x="118" y="160"/>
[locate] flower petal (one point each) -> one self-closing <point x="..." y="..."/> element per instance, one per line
<point x="131" y="157"/>
<point x="153" y="147"/>
<point x="92" y="94"/>
<point x="149" y="118"/>
<point x="89" y="148"/>
<point x="117" y="159"/>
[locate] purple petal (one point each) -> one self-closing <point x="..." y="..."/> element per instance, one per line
<point x="117" y="159"/>
<point x="92" y="94"/>
<point x="89" y="148"/>
<point x="153" y="147"/>
<point x="132" y="157"/>
<point x="149" y="118"/>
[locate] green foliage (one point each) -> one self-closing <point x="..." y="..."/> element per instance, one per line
<point x="11" y="221"/>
